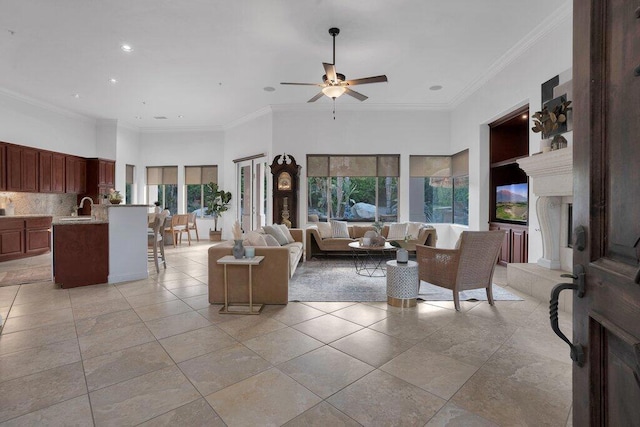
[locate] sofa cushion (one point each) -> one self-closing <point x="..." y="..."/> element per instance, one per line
<point x="277" y="233"/>
<point x="397" y="231"/>
<point x="270" y="240"/>
<point x="413" y="229"/>
<point x="285" y="231"/>
<point x="339" y="229"/>
<point x="324" y="229"/>
<point x="253" y="238"/>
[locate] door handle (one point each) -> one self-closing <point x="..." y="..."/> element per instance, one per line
<point x="577" y="352"/>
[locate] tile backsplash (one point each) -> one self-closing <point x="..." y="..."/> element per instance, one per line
<point x="39" y="203"/>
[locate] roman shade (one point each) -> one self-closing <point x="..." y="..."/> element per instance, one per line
<point x="426" y="166"/>
<point x="159" y="175"/>
<point x="353" y="165"/>
<point x="198" y="175"/>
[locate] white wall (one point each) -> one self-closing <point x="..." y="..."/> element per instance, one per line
<point x="404" y="132"/>
<point x="179" y="148"/>
<point x="128" y="153"/>
<point x="34" y="125"/>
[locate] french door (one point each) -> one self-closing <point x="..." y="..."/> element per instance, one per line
<point x="252" y="192"/>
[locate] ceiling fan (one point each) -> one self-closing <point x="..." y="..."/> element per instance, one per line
<point x="335" y="84"/>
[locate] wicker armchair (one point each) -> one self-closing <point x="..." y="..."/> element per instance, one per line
<point x="469" y="267"/>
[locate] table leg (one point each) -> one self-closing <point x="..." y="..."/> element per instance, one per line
<point x="226" y="289"/>
<point x="250" y="289"/>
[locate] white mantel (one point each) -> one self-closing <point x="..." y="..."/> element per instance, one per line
<point x="551" y="176"/>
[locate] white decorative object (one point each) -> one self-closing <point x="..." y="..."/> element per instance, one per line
<point x="402" y="283"/>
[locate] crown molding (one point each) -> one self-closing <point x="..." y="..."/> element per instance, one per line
<point x="46" y="106"/>
<point x="444" y="107"/>
<point x="564" y="12"/>
<point x="181" y="129"/>
<point x="251" y="116"/>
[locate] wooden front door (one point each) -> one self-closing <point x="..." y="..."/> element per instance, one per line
<point x="606" y="144"/>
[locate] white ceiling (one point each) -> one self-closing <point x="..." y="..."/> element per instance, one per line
<point x="209" y="60"/>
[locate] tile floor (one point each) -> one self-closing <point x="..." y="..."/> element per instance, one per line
<point x="154" y="352"/>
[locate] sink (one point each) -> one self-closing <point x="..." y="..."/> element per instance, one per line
<point x="75" y="218"/>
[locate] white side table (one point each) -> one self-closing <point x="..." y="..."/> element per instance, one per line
<point x="250" y="262"/>
<point x="402" y="283"/>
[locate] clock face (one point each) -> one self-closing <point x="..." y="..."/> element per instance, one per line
<point x="284" y="181"/>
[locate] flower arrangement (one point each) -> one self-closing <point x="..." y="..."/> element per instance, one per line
<point x="237" y="231"/>
<point x="546" y="121"/>
<point x="113" y="196"/>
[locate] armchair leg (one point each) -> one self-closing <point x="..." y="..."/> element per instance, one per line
<point x="456" y="300"/>
<point x="490" y="294"/>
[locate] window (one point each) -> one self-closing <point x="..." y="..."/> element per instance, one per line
<point x="162" y="187"/>
<point x="196" y="179"/>
<point x="439" y="188"/>
<point x="128" y="191"/>
<point x="353" y="188"/>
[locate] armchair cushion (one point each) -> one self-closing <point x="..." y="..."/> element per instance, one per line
<point x="339" y="229"/>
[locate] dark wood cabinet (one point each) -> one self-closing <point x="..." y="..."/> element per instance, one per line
<point x="23" y="237"/>
<point x="75" y="171"/>
<point x="11" y="239"/>
<point x="106" y="172"/>
<point x="22" y="168"/>
<point x="515" y="244"/>
<point x="81" y="254"/>
<point x="37" y="235"/>
<point x="3" y="167"/>
<point x="52" y="172"/>
<point x="100" y="174"/>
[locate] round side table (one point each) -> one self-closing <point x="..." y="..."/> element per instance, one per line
<point x="402" y="283"/>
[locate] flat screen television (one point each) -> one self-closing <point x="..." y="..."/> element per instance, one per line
<point x="512" y="202"/>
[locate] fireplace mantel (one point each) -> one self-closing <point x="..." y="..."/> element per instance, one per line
<point x="552" y="172"/>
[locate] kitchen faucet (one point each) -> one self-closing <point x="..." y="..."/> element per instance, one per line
<point x="82" y="202"/>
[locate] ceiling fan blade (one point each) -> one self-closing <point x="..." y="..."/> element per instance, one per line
<point x="330" y="71"/>
<point x="366" y="80"/>
<point x="356" y="95"/>
<point x="302" y="84"/>
<point x="315" y="98"/>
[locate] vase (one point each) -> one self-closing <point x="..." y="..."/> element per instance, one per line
<point x="545" y="145"/>
<point x="115" y="201"/>
<point x="238" y="249"/>
<point x="402" y="256"/>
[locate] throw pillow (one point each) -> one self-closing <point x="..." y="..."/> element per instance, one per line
<point x="277" y="233"/>
<point x="254" y="238"/>
<point x="324" y="229"/>
<point x="397" y="231"/>
<point x="413" y="229"/>
<point x="270" y="240"/>
<point x="339" y="229"/>
<point x="286" y="232"/>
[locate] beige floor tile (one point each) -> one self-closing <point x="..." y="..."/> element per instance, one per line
<point x="542" y="342"/>
<point x="37" y="320"/>
<point x="452" y="415"/>
<point x="164" y="309"/>
<point x="190" y="291"/>
<point x="34" y="392"/>
<point x="50" y="296"/>
<point x="72" y="412"/>
<point x="197" y="302"/>
<point x="113" y="340"/>
<point x="212" y="312"/>
<point x="449" y="305"/>
<point x="372" y="347"/>
<point x="195" y="414"/>
<point x="40" y="306"/>
<point x="151" y="298"/>
<point x="410" y="329"/>
<point x="435" y="373"/>
<point x="322" y="415"/>
<point x="195" y="343"/>
<point x="510" y="403"/>
<point x="292" y="313"/>
<point x="214" y="371"/>
<point x="36" y="337"/>
<point x="382" y="399"/>
<point x="361" y="314"/>
<point x="325" y="371"/>
<point x="133" y="289"/>
<point x="99" y="308"/>
<point x="244" y="328"/>
<point x="269" y="398"/>
<point x="511" y="312"/>
<point x="142" y="398"/>
<point x="327" y="328"/>
<point x="181" y="283"/>
<point x="471" y="340"/>
<point x="95" y="293"/>
<point x="176" y="324"/>
<point x="118" y="366"/>
<point x="107" y="322"/>
<point x="282" y="345"/>
<point x="36" y="359"/>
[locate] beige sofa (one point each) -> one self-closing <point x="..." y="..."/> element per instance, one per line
<point x="315" y="245"/>
<point x="270" y="277"/>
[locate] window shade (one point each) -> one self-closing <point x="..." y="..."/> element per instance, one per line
<point x="424" y="166"/>
<point x="363" y="166"/>
<point x="198" y="175"/>
<point x="129" y="173"/>
<point x="460" y="163"/>
<point x="162" y="175"/>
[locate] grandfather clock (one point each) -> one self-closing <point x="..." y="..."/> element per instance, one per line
<point x="286" y="177"/>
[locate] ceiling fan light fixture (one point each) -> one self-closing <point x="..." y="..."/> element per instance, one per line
<point x="334" y="91"/>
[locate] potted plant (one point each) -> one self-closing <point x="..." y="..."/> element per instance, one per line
<point x="547" y="121"/>
<point x="114" y="196"/>
<point x="217" y="202"/>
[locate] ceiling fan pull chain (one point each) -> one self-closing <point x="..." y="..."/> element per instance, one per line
<point x="334" y="108"/>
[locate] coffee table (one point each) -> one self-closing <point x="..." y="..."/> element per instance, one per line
<point x="370" y="260"/>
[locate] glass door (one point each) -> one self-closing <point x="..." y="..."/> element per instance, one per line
<point x="252" y="191"/>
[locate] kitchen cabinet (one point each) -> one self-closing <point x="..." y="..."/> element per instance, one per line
<point x="80" y="254"/>
<point x="100" y="178"/>
<point x="76" y="174"/>
<point x="3" y="167"/>
<point x="22" y="168"/>
<point x="52" y="172"/>
<point x="24" y="236"/>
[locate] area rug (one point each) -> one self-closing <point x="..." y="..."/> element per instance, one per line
<point x="33" y="274"/>
<point x="335" y="279"/>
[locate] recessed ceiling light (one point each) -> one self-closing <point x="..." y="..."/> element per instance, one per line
<point x="113" y="81"/>
<point x="160" y="117"/>
<point x="139" y="117"/>
<point x="76" y="95"/>
<point x="126" y="48"/>
<point x="269" y="89"/>
<point x="435" y="87"/>
<point x="524" y="116"/>
<point x="180" y="116"/>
